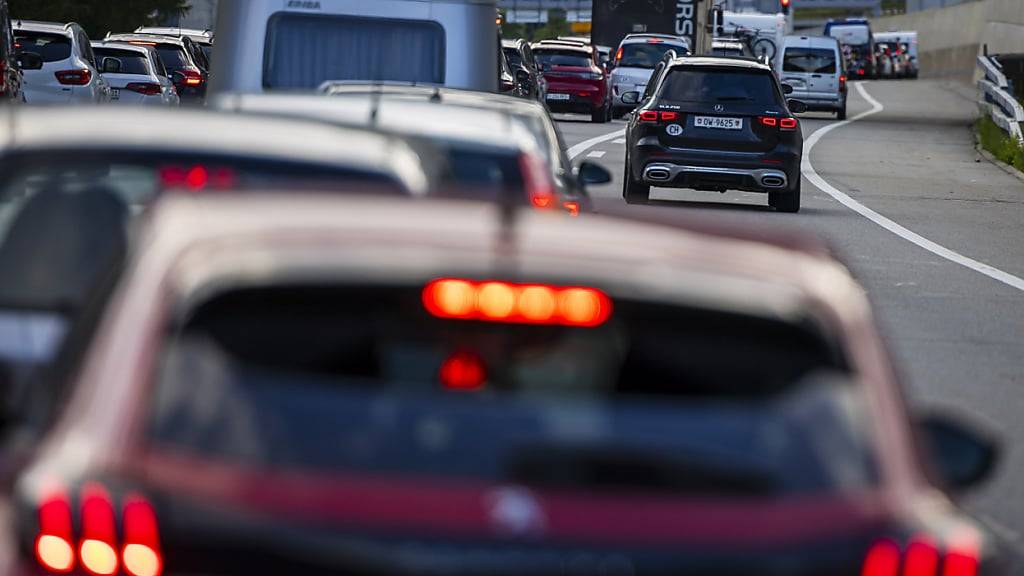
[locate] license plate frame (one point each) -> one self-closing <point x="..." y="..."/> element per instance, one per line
<point x="718" y="122"/>
<point x="558" y="97"/>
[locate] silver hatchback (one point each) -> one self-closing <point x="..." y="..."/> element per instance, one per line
<point x="813" y="66"/>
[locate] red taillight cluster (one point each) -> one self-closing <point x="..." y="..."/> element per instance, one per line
<point x="655" y="116"/>
<point x="147" y="88"/>
<point x="921" y="557"/>
<point x="786" y="124"/>
<point x="191" y="77"/>
<point x="842" y="82"/>
<point x="572" y="207"/>
<point x="516" y="303"/>
<point x="97" y="550"/>
<point x="197" y="178"/>
<point x="74" y="77"/>
<point x="538" y="182"/>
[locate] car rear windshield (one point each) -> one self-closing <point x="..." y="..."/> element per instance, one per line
<point x="852" y="34"/>
<point x="550" y="57"/>
<point x="720" y="85"/>
<point x="362" y="378"/>
<point x="304" y="50"/>
<point x="173" y="56"/>
<point x="131" y="62"/>
<point x="812" y="60"/>
<point x="50" y="47"/>
<point x="646" y="55"/>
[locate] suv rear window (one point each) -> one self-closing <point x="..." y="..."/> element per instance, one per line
<point x="647" y="55"/>
<point x="131" y="62"/>
<point x="351" y="378"/>
<point x="305" y="50"/>
<point x="173" y="56"/>
<point x="720" y="85"/>
<point x="809" y="60"/>
<point x="562" y="58"/>
<point x="50" y="47"/>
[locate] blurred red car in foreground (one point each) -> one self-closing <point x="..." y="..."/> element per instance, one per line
<point x="348" y="385"/>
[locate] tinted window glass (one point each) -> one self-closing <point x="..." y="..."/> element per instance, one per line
<point x="207" y="51"/>
<point x="513" y="56"/>
<point x="305" y="50"/>
<point x="330" y="378"/>
<point x="646" y="55"/>
<point x="173" y="56"/>
<point x="711" y="85"/>
<point x="562" y="58"/>
<point x="131" y="62"/>
<point x="813" y="60"/>
<point x="50" y="47"/>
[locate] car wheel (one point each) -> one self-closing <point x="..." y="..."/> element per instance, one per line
<point x="841" y="113"/>
<point x="632" y="191"/>
<point x="618" y="112"/>
<point x="600" y="115"/>
<point x="786" y="201"/>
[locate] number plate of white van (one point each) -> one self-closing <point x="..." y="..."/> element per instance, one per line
<point x="717" y="122"/>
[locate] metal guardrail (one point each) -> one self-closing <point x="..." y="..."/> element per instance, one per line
<point x="997" y="100"/>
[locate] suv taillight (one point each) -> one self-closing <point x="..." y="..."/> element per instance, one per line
<point x="922" y="557"/>
<point x="655" y="116"/>
<point x="786" y="124"/>
<point x="74" y="77"/>
<point x="191" y="78"/>
<point x="540" y="188"/>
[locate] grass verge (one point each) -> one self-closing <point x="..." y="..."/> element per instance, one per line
<point x="999" y="143"/>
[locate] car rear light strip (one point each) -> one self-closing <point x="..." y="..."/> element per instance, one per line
<point x="147" y="88"/>
<point x="74" y="77"/>
<point x="494" y="301"/>
<point x="97" y="552"/>
<point x="656" y="116"/>
<point x="786" y="124"/>
<point x="921" y="557"/>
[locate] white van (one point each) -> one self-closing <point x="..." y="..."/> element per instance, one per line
<point x="266" y="45"/>
<point x="813" y="66"/>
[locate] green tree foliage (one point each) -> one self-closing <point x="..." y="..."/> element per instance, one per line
<point x="100" y="16"/>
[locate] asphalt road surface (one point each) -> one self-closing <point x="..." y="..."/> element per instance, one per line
<point x="933" y="231"/>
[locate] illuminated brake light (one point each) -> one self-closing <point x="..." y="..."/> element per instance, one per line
<point x="649" y="116"/>
<point x="141" y="552"/>
<point x="146" y="88"/>
<point x="53" y="547"/>
<point x="462" y="371"/>
<point x="669" y="116"/>
<point x="922" y="559"/>
<point x="516" y="303"/>
<point x="788" y="123"/>
<point x="197" y="178"/>
<point x="74" y="77"/>
<point x="883" y="559"/>
<point x="618" y="55"/>
<point x="572" y="207"/>
<point x="769" y="121"/>
<point x="654" y="41"/>
<point x="141" y="43"/>
<point x="97" y="549"/>
<point x="540" y="188"/>
<point x="842" y="82"/>
<point x="963" y="554"/>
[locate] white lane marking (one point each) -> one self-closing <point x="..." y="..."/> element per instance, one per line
<point x="808" y="171"/>
<point x="596" y="154"/>
<point x="587" y="144"/>
<point x="619" y="141"/>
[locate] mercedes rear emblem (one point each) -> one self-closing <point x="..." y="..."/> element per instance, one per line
<point x="719" y="107"/>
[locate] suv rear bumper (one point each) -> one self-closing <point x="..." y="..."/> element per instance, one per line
<point x="776" y="170"/>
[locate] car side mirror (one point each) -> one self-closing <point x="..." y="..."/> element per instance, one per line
<point x="591" y="173"/>
<point x="963" y="456"/>
<point x="796" y="106"/>
<point x="787" y="89"/>
<point x="630" y="97"/>
<point x="110" y="66"/>
<point x="29" y="61"/>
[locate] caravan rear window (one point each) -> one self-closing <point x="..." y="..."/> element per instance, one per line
<point x="305" y="50"/>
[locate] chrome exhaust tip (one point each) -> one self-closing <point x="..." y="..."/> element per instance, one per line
<point x="658" y="174"/>
<point x="773" y="182"/>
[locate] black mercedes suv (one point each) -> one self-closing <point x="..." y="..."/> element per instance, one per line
<point x="720" y="124"/>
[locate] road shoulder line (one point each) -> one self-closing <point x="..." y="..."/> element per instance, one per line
<point x="807" y="168"/>
<point x="582" y="147"/>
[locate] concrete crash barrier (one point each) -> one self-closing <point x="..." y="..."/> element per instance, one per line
<point x="950" y="39"/>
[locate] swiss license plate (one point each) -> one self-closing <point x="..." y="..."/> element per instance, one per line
<point x="718" y="122"/>
<point x="115" y="93"/>
<point x="558" y="96"/>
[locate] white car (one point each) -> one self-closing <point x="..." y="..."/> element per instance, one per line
<point x="136" y="74"/>
<point x="634" y="62"/>
<point x="70" y="72"/>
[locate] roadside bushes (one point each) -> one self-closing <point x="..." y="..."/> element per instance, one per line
<point x="999" y="143"/>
